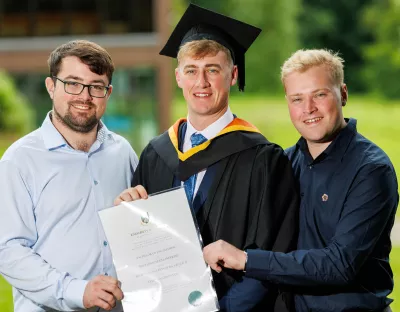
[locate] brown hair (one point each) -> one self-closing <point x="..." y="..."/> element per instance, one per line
<point x="201" y="48"/>
<point x="302" y="60"/>
<point x="90" y="53"/>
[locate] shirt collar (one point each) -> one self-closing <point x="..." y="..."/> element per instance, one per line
<point x="53" y="139"/>
<point x="213" y="129"/>
<point x="339" y="144"/>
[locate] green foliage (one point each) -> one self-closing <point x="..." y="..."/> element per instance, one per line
<point x="277" y="41"/>
<point x="336" y="25"/>
<point x="16" y="116"/>
<point x="382" y="70"/>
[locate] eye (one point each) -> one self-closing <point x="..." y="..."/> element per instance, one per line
<point x="296" y="100"/>
<point x="320" y="95"/>
<point x="72" y="83"/>
<point x="97" y="87"/>
<point x="213" y="71"/>
<point x="190" y="71"/>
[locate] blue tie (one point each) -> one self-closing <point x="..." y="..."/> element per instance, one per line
<point x="190" y="183"/>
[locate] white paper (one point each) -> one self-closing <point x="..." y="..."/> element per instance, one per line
<point x="158" y="256"/>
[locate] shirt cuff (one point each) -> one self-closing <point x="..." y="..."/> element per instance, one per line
<point x="73" y="295"/>
<point x="258" y="261"/>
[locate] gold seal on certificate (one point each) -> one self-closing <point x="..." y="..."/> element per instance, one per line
<point x="157" y="253"/>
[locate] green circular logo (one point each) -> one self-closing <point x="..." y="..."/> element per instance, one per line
<point x="195" y="298"/>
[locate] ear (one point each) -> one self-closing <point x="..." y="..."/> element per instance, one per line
<point x="178" y="77"/>
<point x="344" y="94"/>
<point x="234" y="75"/>
<point x="49" y="82"/>
<point x="110" y="89"/>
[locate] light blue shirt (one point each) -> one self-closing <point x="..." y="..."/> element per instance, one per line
<point x="51" y="238"/>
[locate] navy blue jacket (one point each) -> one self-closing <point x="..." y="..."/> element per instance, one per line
<point x="349" y="197"/>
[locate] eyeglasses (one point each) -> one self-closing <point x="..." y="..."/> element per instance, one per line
<point x="76" y="88"/>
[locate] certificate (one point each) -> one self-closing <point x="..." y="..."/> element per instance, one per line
<point x="158" y="256"/>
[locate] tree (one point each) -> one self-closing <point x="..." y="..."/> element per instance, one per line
<point x="337" y="25"/>
<point x="16" y="116"/>
<point x="382" y="70"/>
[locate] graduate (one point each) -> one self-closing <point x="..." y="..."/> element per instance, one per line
<point x="239" y="185"/>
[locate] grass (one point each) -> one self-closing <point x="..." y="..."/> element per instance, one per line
<point x="395" y="264"/>
<point x="6" y="303"/>
<point x="378" y="120"/>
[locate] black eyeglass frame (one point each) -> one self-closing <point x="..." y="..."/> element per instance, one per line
<point x="83" y="87"/>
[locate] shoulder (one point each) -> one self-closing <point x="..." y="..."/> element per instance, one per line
<point x="120" y="140"/>
<point x="22" y="147"/>
<point x="124" y="147"/>
<point x="369" y="167"/>
<point x="368" y="154"/>
<point x="271" y="154"/>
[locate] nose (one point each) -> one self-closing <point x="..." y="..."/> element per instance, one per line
<point x="309" y="105"/>
<point x="85" y="94"/>
<point x="202" y="80"/>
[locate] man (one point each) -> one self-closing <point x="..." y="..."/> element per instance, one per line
<point x="53" y="182"/>
<point x="348" y="201"/>
<point x="240" y="186"/>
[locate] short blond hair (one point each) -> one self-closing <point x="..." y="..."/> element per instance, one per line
<point x="302" y="60"/>
<point x="198" y="49"/>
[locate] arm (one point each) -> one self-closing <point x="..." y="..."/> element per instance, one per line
<point x="19" y="264"/>
<point x="368" y="211"/>
<point x="274" y="206"/>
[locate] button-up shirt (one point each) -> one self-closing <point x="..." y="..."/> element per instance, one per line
<point x="51" y="238"/>
<point x="349" y="200"/>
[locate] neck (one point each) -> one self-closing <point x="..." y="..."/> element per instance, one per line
<point x="316" y="149"/>
<point x="77" y="140"/>
<point x="201" y="122"/>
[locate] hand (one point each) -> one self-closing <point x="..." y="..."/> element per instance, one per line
<point x="222" y="254"/>
<point x="103" y="292"/>
<point x="131" y="194"/>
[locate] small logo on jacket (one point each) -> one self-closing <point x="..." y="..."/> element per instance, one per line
<point x="325" y="197"/>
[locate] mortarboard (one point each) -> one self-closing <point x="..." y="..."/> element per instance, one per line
<point x="198" y="23"/>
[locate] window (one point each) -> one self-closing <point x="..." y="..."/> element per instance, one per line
<point x="25" y="18"/>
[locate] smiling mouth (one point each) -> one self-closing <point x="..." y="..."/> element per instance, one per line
<point x="202" y="95"/>
<point x="82" y="106"/>
<point x="313" y="120"/>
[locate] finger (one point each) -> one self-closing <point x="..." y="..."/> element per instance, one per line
<point x="107" y="298"/>
<point x="141" y="191"/>
<point x="129" y="195"/>
<point x="113" y="289"/>
<point x="98" y="302"/>
<point x="216" y="267"/>
<point x="118" y="294"/>
<point x="124" y="196"/>
<point x="109" y="280"/>
<point x="118" y="201"/>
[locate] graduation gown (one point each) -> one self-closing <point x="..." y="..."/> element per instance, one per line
<point x="251" y="200"/>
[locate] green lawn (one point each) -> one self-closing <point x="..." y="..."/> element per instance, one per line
<point x="395" y="263"/>
<point x="377" y="120"/>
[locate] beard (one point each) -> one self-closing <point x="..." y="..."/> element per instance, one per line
<point x="79" y="122"/>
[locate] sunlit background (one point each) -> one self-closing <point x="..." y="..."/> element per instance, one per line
<point x="145" y="100"/>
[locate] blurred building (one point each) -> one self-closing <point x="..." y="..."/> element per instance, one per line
<point x="131" y="30"/>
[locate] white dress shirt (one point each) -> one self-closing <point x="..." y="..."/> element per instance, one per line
<point x="210" y="132"/>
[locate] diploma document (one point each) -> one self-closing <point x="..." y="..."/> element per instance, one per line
<point x="157" y="252"/>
